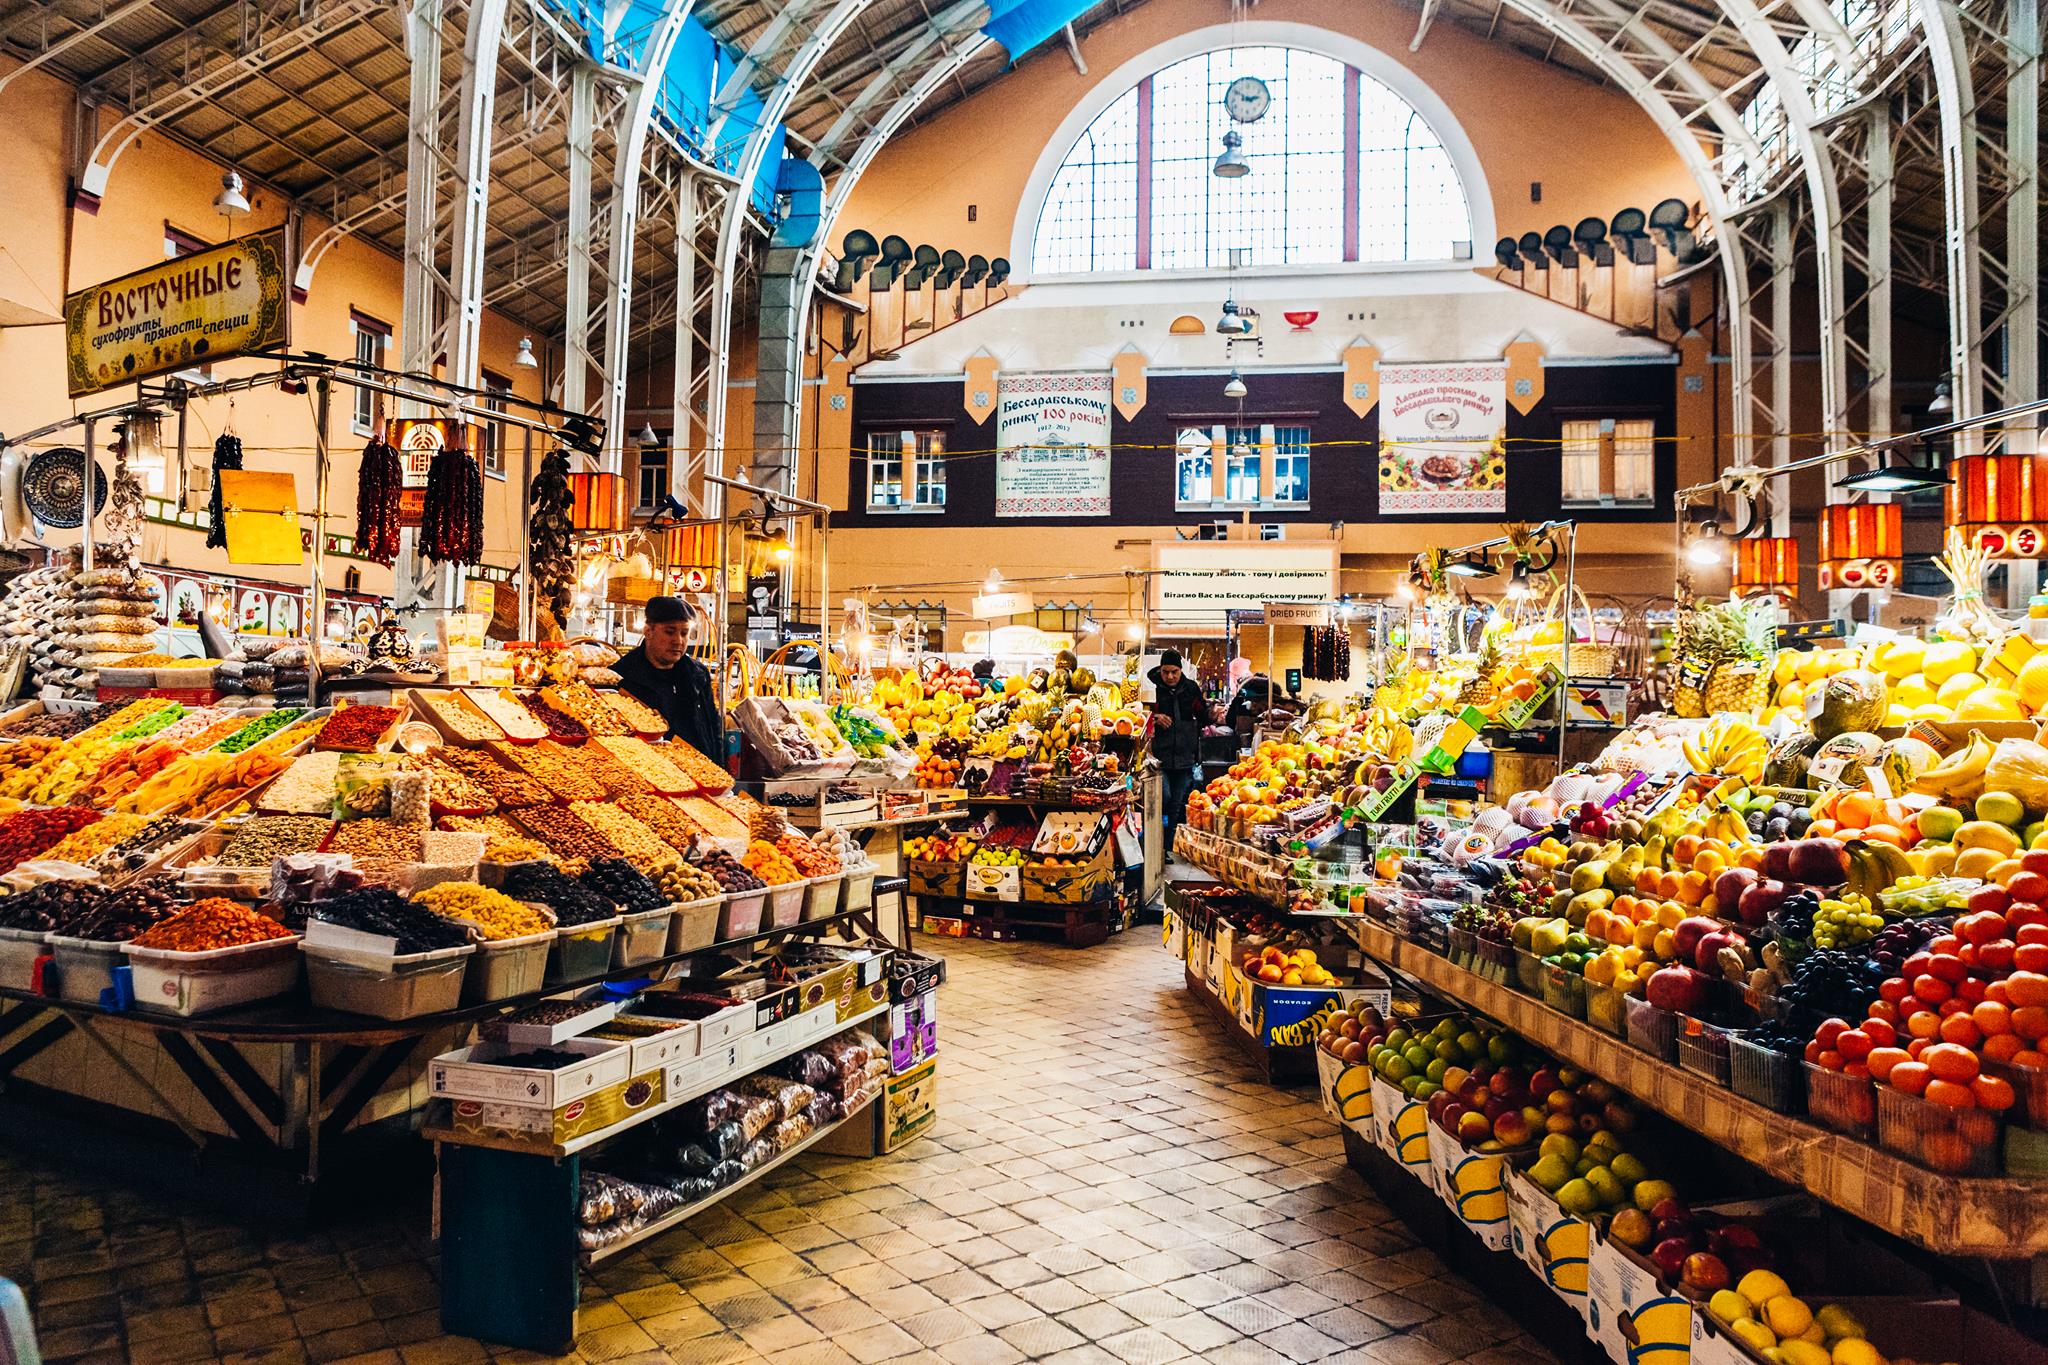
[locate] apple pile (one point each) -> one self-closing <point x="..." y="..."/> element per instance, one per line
<point x="1419" y="1063"/>
<point x="1353" y="1032"/>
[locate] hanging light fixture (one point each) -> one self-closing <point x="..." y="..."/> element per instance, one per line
<point x="1897" y="474"/>
<point x="1518" y="580"/>
<point x="1235" y="388"/>
<point x="1942" y="402"/>
<point x="779" y="548"/>
<point x="1232" y="323"/>
<point x="1766" y="564"/>
<point x="230" y="201"/>
<point x="1472" y="566"/>
<point x="1230" y="164"/>
<point x="525" y="359"/>
<point x="647" y="436"/>
<point x="1707" y="548"/>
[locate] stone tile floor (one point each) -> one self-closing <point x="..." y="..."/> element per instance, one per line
<point x="1108" y="1183"/>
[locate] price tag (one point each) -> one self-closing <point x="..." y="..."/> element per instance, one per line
<point x="1880" y="784"/>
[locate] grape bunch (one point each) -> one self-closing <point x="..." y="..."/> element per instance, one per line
<point x="1845" y="923"/>
<point x="1778" y="1037"/>
<point x="1796" y="915"/>
<point x="1899" y="940"/>
<point x="1830" y="982"/>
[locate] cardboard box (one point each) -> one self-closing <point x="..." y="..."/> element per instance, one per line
<point x="1403" y="1130"/>
<point x="1922" y="1329"/>
<point x="1075" y="884"/>
<point x="1555" y="1245"/>
<point x="1629" y="1314"/>
<point x="988" y="882"/>
<point x="861" y="999"/>
<point x="542" y="1129"/>
<point x="1352" y="1095"/>
<point x="1474" y="1188"/>
<point x="909" y="1105"/>
<point x="471" y="1073"/>
<point x="942" y="880"/>
<point x="1292" y="1016"/>
<point x="912" y="973"/>
<point x="913" y="1032"/>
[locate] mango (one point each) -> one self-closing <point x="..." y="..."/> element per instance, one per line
<point x="1939" y="824"/>
<point x="1976" y="862"/>
<point x="2002" y="807"/>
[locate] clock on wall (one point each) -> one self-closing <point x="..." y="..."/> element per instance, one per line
<point x="1247" y="99"/>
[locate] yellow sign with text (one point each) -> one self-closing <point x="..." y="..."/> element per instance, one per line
<point x="225" y="301"/>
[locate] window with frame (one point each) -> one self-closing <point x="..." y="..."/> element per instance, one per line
<point x="653" y="481"/>
<point x="1608" y="461"/>
<point x="1342" y="169"/>
<point x="907" y="471"/>
<point x="371" y="338"/>
<point x="493" y="434"/>
<point x="1246" y="452"/>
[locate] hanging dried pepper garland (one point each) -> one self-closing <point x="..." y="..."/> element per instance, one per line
<point x="452" y="520"/>
<point x="380" y="488"/>
<point x="548" y="536"/>
<point x="227" y="454"/>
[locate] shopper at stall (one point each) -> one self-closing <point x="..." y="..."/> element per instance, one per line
<point x="1181" y="711"/>
<point x="658" y="672"/>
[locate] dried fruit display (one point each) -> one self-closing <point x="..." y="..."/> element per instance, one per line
<point x="661" y="815"/>
<point x="209" y="924"/>
<point x="305" y="788"/>
<point x="580" y="701"/>
<point x="811" y="859"/>
<point x="549" y="537"/>
<point x="505" y="710"/>
<point x="650" y="762"/>
<point x="561" y="725"/>
<point x="61" y="724"/>
<point x="380" y="488"/>
<point x="716" y="821"/>
<point x="376" y="839"/>
<point x="27" y="834"/>
<point x="509" y="787"/>
<point x="573" y="901"/>
<point x="707" y="775"/>
<point x="623" y="884"/>
<point x="495" y="914"/>
<point x="449" y="787"/>
<point x="380" y="910"/>
<point x="617" y="778"/>
<point x="116" y="916"/>
<point x="634" y="839"/>
<point x="136" y="849"/>
<point x="260" y="729"/>
<point x="685" y="881"/>
<point x="553" y="766"/>
<point x="83" y="845"/>
<point x="262" y="839"/>
<point x="729" y="873"/>
<point x="356" y="729"/>
<point x="565" y="834"/>
<point x="456" y="716"/>
<point x="768" y="863"/>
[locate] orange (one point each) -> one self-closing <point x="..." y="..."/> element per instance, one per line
<point x="2031" y="1023"/>
<point x="1821" y="829"/>
<point x="1991" y="1018"/>
<point x="1883" y="1059"/>
<point x="1646" y="878"/>
<point x="1685" y="849"/>
<point x="1692" y="888"/>
<point x="1667" y="885"/>
<point x="1992" y="1093"/>
<point x="1858" y="810"/>
<point x="1950" y="1062"/>
<point x="2002" y="1047"/>
<point x="1910" y="1077"/>
<point x="2027" y="1056"/>
<point x="2026" y="988"/>
<point x="1959" y="1029"/>
<point x="1711" y="863"/>
<point x="1950" y="1094"/>
<point x="1923" y="1023"/>
<point x="1750" y="855"/>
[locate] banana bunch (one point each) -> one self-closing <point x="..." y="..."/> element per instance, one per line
<point x="1725" y="824"/>
<point x="1873" y="867"/>
<point x="1847" y="921"/>
<point x="1961" y="774"/>
<point x="1916" y="895"/>
<point x="1729" y="743"/>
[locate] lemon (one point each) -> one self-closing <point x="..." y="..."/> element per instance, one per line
<point x="1855" y="1351"/>
<point x="1753" y="1334"/>
<point x="1838" y="1321"/>
<point x="1913" y="690"/>
<point x="1947" y="659"/>
<point x="1729" y="1307"/>
<point x="1989" y="703"/>
<point x="1803" y="1353"/>
<point x="1957" y="687"/>
<point x="1902" y="658"/>
<point x="1787" y="1316"/>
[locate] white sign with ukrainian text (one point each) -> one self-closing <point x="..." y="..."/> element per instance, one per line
<point x="1052" y="445"/>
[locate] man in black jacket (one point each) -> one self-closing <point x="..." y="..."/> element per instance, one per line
<point x="658" y="672"/>
<point x="1181" y="711"/>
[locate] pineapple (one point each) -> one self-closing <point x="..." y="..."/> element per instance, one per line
<point x="1741" y="676"/>
<point x="1479" y="690"/>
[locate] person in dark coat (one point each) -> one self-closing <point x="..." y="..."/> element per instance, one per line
<point x="1180" y="711"/>
<point x="658" y="672"/>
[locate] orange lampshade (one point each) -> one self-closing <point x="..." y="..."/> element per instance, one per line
<point x="1859" y="545"/>
<point x="2001" y="502"/>
<point x="1766" y="564"/>
<point x="684" y="547"/>
<point x="597" y="502"/>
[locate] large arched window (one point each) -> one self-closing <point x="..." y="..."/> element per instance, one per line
<point x="1343" y="169"/>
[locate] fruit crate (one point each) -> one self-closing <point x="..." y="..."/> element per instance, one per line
<point x="1564" y="991"/>
<point x="1464" y="948"/>
<point x="1607" y="1009"/>
<point x="1942" y="1138"/>
<point x="1703" y="1049"/>
<point x="1529" y="970"/>
<point x="1652" y="1030"/>
<point x="1837" y="1100"/>
<point x="2030" y="1089"/>
<point x="1764" y="1077"/>
<point x="1496" y="961"/>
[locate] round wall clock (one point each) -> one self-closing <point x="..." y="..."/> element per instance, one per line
<point x="1247" y="99"/>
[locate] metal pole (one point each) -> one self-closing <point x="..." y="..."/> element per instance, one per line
<point x="85" y="511"/>
<point x="322" y="406"/>
<point x="522" y="502"/>
<point x="1571" y="596"/>
<point x="824" y="606"/>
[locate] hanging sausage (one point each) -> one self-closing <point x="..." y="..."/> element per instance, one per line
<point x="452" y="519"/>
<point x="380" y="490"/>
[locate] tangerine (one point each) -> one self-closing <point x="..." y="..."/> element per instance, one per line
<point x="1950" y="1094"/>
<point x="1993" y="1093"/>
<point x="1883" y="1059"/>
<point x="1951" y="1062"/>
<point x="1958" y="1028"/>
<point x="1991" y="1019"/>
<point x="2002" y="1047"/>
<point x="1909" y="1077"/>
<point x="2031" y="1023"/>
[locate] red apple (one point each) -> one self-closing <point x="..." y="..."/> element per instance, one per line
<point x="1669" y="1256"/>
<point x="1705" y="1272"/>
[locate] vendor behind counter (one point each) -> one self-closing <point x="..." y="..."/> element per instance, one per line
<point x="659" y="672"/>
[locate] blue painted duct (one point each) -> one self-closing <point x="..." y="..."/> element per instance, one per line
<point x="804" y="217"/>
<point x="1024" y="25"/>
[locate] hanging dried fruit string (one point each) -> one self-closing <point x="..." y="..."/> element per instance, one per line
<point x="227" y="454"/>
<point x="380" y="489"/>
<point x="452" y="519"/>
<point x="548" y="537"/>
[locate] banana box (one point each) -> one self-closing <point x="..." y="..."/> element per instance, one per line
<point x="1403" y="1130"/>
<point x="1471" y="1184"/>
<point x="1352" y="1096"/>
<point x="988" y="882"/>
<point x="1631" y="1316"/>
<point x="1328" y="1069"/>
<point x="1899" y="1327"/>
<point x="1552" y="1243"/>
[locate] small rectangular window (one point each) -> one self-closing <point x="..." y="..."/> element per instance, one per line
<point x="1608" y="462"/>
<point x="1290" y="465"/>
<point x="907" y="471"/>
<point x="653" y="484"/>
<point x="1193" y="471"/>
<point x="1241" y="473"/>
<point x="371" y="338"/>
<point x="1635" y="461"/>
<point x="493" y="434"/>
<point x="1580" y="462"/>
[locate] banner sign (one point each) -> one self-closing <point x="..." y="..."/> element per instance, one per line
<point x="1197" y="584"/>
<point x="1052" y="445"/>
<point x="1297" y="613"/>
<point x="215" y="304"/>
<point x="1440" y="430"/>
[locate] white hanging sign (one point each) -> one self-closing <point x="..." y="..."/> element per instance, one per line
<point x="1052" y="444"/>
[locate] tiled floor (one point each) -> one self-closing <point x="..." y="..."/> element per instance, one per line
<point x="1107" y="1183"/>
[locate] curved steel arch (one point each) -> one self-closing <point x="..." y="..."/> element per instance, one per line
<point x="1955" y="93"/>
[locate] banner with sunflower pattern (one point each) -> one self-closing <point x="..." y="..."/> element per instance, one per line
<point x="1441" y="438"/>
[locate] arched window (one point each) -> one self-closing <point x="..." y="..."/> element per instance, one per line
<point x="1342" y="169"/>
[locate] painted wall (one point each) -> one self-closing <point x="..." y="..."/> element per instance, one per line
<point x="1591" y="148"/>
<point x="47" y="249"/>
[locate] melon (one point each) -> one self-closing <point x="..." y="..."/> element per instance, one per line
<point x="1840" y="761"/>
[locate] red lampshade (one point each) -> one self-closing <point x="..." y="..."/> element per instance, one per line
<point x="2001" y="501"/>
<point x="1766" y="564"/>
<point x="1859" y="545"/>
<point x="597" y="502"/>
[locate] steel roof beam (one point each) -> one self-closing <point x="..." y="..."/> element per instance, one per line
<point x="84" y="32"/>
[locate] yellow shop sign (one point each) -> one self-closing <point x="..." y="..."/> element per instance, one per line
<point x="226" y="301"/>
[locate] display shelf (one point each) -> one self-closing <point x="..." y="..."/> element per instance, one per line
<point x="684" y="1214"/>
<point x="895" y="822"/>
<point x="1083" y="926"/>
<point x="441" y="1132"/>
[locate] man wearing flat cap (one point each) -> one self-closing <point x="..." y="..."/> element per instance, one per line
<point x="658" y="672"/>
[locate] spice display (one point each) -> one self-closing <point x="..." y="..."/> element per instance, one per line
<point x="573" y="901"/>
<point x="608" y="772"/>
<point x="768" y="863"/>
<point x="227" y="454"/>
<point x="553" y="766"/>
<point x="811" y="859"/>
<point x="713" y="818"/>
<point x="580" y="702"/>
<point x="112" y="916"/>
<point x="260" y="729"/>
<point x="210" y="924"/>
<point x="728" y="872"/>
<point x="641" y="718"/>
<point x="646" y="761"/>
<point x="506" y="713"/>
<point x="380" y="487"/>
<point x="60" y="724"/>
<point x="549" y="536"/>
<point x="565" y="834"/>
<point x="661" y="815"/>
<point x="508" y="787"/>
<point x="375" y="839"/>
<point x="561" y="725"/>
<point x="452" y="513"/>
<point x="28" y="833"/>
<point x="356" y="729"/>
<point x="457" y="717"/>
<point x="495" y="914"/>
<point x="380" y="910"/>
<point x="633" y="839"/>
<point x="685" y="881"/>
<point x="136" y="849"/>
<point x="83" y="845"/>
<point x="305" y="788"/>
<point x="264" y="838"/>
<point x="621" y="883"/>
